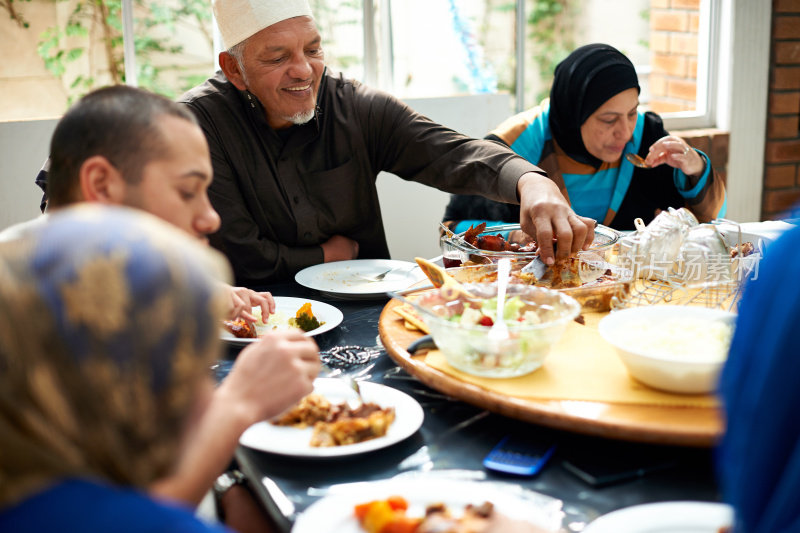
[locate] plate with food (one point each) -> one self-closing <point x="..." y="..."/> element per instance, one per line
<point x="665" y="517"/>
<point x="327" y="423"/>
<point x="428" y="503"/>
<point x="360" y="278"/>
<point x="311" y="316"/>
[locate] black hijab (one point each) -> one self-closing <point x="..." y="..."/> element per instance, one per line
<point x="584" y="81"/>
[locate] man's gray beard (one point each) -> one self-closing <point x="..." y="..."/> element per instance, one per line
<point x="302" y="117"/>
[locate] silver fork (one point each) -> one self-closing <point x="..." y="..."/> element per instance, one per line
<point x="353" y="403"/>
<point x="377" y="277"/>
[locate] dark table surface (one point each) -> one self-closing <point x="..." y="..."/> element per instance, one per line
<point x="456" y="436"/>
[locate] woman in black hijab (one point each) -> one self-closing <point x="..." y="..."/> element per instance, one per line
<point x="580" y="136"/>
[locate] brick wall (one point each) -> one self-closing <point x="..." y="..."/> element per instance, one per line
<point x="674" y="26"/>
<point x="673" y="45"/>
<point x="673" y="54"/>
<point x="781" y="196"/>
<point x="712" y="142"/>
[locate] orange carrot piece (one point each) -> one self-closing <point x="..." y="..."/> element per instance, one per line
<point x="397" y="503"/>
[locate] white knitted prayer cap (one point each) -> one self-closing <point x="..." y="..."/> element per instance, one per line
<point x="239" y="19"/>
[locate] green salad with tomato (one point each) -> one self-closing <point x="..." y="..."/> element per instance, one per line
<point x="515" y="312"/>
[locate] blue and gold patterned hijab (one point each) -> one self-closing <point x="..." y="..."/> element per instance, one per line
<point x="108" y="325"/>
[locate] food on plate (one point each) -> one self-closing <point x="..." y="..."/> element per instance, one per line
<point x="391" y="515"/>
<point x="742" y="250"/>
<point x="338" y="424"/>
<point x="385" y="516"/>
<point x="241" y="329"/>
<point x="304" y="319"/>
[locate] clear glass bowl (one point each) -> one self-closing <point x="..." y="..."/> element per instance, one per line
<point x="468" y="347"/>
<point x="455" y="251"/>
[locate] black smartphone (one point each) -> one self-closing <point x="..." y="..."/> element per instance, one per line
<point x="520" y="456"/>
<point x="608" y="465"/>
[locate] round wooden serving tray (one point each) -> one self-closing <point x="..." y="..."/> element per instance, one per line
<point x="684" y="426"/>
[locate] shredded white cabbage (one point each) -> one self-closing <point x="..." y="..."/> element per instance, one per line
<point x="277" y="320"/>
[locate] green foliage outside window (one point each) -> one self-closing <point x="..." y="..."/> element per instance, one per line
<point x="93" y="30"/>
<point x="549" y="22"/>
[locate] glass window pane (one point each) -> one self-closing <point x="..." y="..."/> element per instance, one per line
<point x="624" y="25"/>
<point x="66" y="49"/>
<point x="174" y="44"/>
<point x="53" y="51"/>
<point x="444" y="52"/>
<point x="341" y="25"/>
<point x="664" y="43"/>
<point x="60" y="50"/>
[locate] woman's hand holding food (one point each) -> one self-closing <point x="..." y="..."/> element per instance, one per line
<point x="675" y="152"/>
<point x="243" y="300"/>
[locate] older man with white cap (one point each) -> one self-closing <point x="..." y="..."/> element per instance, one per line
<point x="297" y="148"/>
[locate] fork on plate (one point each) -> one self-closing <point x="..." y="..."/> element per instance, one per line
<point x="353" y="402"/>
<point x="376" y="277"/>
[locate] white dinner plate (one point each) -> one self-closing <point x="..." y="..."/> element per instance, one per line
<point x="767" y="232"/>
<point x="295" y="442"/>
<point x="341" y="279"/>
<point x="665" y="517"/>
<point x="286" y="307"/>
<point x="334" y="513"/>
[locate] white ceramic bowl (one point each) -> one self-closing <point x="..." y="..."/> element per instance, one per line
<point x="675" y="348"/>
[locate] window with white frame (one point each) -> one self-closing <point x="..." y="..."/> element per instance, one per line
<point x="412" y="48"/>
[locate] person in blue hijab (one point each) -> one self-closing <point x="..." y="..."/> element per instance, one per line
<point x="759" y="456"/>
<point x="108" y="325"/>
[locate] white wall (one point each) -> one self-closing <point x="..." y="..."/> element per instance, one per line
<point x="23" y="149"/>
<point x="412" y="212"/>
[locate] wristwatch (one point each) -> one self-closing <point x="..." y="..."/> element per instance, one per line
<point x="222" y="484"/>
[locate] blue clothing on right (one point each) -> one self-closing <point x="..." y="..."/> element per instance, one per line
<point x="759" y="457"/>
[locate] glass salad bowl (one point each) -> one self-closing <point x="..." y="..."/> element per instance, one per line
<point x="536" y="319"/>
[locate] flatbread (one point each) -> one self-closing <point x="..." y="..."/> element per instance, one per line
<point x="407" y="313"/>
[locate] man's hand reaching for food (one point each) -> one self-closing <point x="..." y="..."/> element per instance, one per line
<point x="546" y="214"/>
